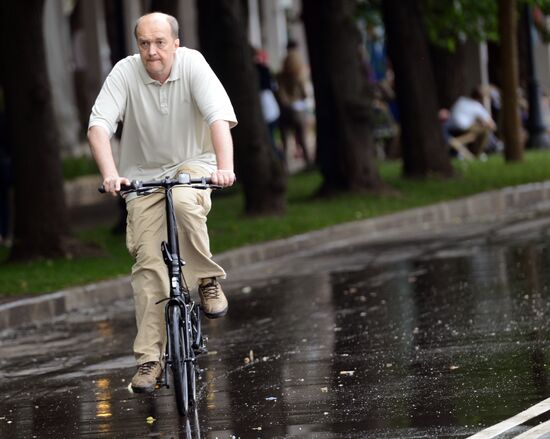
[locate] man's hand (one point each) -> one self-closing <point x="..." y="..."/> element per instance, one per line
<point x="112" y="184"/>
<point x="223" y="177"/>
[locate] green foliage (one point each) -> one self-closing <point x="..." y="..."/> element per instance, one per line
<point x="230" y="229"/>
<point x="544" y="5"/>
<point x="451" y="21"/>
<point x="447" y="21"/>
<point x="74" y="167"/>
<point x="369" y="11"/>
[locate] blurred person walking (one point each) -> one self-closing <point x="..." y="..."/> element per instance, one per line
<point x="270" y="107"/>
<point x="292" y="97"/>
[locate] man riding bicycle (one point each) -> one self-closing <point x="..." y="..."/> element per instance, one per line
<point x="177" y="118"/>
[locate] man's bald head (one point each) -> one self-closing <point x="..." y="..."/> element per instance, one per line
<point x="174" y="26"/>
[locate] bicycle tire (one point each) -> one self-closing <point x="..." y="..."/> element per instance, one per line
<point x="192" y="382"/>
<point x="178" y="363"/>
<point x="191" y="365"/>
<point x="196" y="330"/>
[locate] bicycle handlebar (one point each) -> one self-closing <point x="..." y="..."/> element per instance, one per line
<point x="180" y="180"/>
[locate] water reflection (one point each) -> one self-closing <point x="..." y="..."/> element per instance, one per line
<point x="71" y="390"/>
<point x="103" y="404"/>
<point x="434" y="344"/>
<point x="534" y="259"/>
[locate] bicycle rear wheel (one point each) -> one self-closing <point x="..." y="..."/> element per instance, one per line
<point x="178" y="357"/>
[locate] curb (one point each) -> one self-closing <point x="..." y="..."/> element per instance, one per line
<point x="483" y="207"/>
<point x="44" y="308"/>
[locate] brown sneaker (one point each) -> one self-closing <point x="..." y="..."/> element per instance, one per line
<point x="145" y="379"/>
<point x="213" y="301"/>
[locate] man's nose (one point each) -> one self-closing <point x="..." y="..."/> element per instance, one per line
<point x="152" y="49"/>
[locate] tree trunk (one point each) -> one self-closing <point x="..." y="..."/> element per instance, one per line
<point x="450" y="73"/>
<point x="114" y="22"/>
<point x="424" y="150"/>
<point x="511" y="124"/>
<point x="345" y="147"/>
<point x="40" y="215"/>
<point x="170" y="7"/>
<point x="224" y="43"/>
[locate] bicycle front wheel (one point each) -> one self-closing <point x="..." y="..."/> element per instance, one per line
<point x="177" y="357"/>
<point x="191" y="364"/>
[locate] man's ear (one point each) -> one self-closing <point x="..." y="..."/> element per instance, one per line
<point x="177" y="42"/>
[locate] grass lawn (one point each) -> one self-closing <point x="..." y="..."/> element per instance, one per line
<point x="230" y="229"/>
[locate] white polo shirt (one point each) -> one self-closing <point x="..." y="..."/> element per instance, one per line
<point x="465" y="112"/>
<point x="165" y="126"/>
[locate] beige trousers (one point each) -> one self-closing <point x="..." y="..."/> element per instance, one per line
<point x="146" y="229"/>
<point x="476" y="139"/>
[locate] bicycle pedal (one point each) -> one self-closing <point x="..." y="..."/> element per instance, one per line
<point x="162" y="380"/>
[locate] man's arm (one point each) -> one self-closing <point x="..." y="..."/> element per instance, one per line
<point x="223" y="147"/>
<point x="100" y="145"/>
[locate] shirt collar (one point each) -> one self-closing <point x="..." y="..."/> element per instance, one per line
<point x="175" y="72"/>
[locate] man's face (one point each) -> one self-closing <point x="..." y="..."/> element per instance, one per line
<point x="157" y="46"/>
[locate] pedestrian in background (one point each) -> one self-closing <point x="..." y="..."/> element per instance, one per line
<point x="292" y="97"/>
<point x="270" y="107"/>
<point x="470" y="123"/>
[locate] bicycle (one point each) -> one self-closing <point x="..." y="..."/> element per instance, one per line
<point x="185" y="340"/>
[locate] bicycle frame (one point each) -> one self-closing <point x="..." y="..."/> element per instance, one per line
<point x="178" y="295"/>
<point x="170" y="251"/>
<point x="184" y="338"/>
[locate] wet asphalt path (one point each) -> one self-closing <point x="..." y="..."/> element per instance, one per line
<point x="414" y="337"/>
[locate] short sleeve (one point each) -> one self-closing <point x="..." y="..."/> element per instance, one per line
<point x="110" y="104"/>
<point x="208" y="92"/>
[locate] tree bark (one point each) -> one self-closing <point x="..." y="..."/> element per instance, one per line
<point x="41" y="223"/>
<point x="114" y="22"/>
<point x="224" y="42"/>
<point x="450" y="73"/>
<point x="170" y="7"/>
<point x="511" y="124"/>
<point x="424" y="150"/>
<point x="345" y="147"/>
